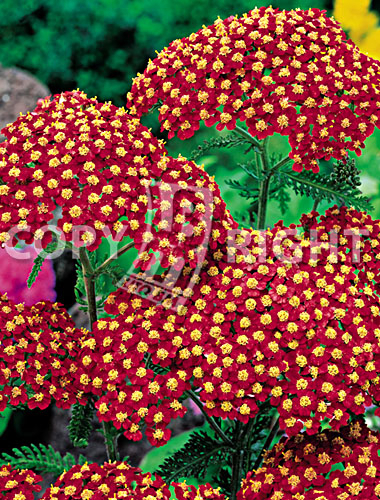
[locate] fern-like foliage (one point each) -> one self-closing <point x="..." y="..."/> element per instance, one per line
<point x="280" y="193"/>
<point x="245" y="191"/>
<point x="80" y="426"/>
<point x="39" y="260"/>
<point x="227" y="141"/>
<point x="41" y="458"/>
<point x="322" y="187"/>
<point x="193" y="459"/>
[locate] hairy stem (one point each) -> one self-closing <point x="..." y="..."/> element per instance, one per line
<point x="264" y="185"/>
<point x="218" y="430"/>
<point x="244" y="133"/>
<point x="268" y="442"/>
<point x="281" y="163"/>
<point x="116" y="255"/>
<point x="89" y="283"/>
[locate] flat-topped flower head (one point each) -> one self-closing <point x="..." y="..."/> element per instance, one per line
<point x="113" y="366"/>
<point x="287" y="72"/>
<point x="200" y="341"/>
<point x="18" y="484"/>
<point x="330" y="465"/>
<point x="98" y="172"/>
<point x="38" y="351"/>
<point x="290" y="317"/>
<point x="116" y="480"/>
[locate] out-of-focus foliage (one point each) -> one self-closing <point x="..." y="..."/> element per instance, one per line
<point x="99" y="45"/>
<point x="361" y="23"/>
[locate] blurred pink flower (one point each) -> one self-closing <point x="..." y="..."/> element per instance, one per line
<point x="194" y="408"/>
<point x="14" y="273"/>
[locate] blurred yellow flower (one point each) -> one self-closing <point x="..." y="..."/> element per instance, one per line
<point x="361" y="23"/>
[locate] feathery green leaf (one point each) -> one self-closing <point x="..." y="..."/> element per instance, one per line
<point x="80" y="426"/>
<point x="39" y="260"/>
<point x="40" y="458"/>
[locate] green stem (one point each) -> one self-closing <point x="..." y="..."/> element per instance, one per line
<point x="218" y="430"/>
<point x="264" y="185"/>
<point x="268" y="442"/>
<point x="237" y="475"/>
<point x="110" y="441"/>
<point x="116" y="255"/>
<point x="244" y="133"/>
<point x="241" y="457"/>
<point x="281" y="163"/>
<point x="263" y="202"/>
<point x="248" y="446"/>
<point x="89" y="283"/>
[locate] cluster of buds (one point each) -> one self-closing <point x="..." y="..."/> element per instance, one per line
<point x="288" y="72"/>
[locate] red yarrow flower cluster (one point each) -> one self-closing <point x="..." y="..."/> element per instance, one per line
<point x="116" y="480"/>
<point x="198" y="337"/>
<point x="113" y="364"/>
<point x="184" y="491"/>
<point x="289" y="315"/>
<point x="105" y="172"/>
<point x="327" y="466"/>
<point x="287" y="72"/>
<point x="18" y="484"/>
<point x="38" y="352"/>
<point x="325" y="319"/>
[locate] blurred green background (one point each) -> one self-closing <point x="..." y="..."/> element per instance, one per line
<point x="100" y="45"/>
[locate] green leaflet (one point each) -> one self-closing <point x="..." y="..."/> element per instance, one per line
<point x="40" y="458"/>
<point x="39" y="260"/>
<point x="80" y="426"/>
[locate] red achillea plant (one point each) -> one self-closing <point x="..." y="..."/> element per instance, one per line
<point x="261" y="328"/>
<point x="324" y="318"/>
<point x="203" y="341"/>
<point x="290" y="72"/>
<point x="102" y="482"/>
<point x="293" y="326"/>
<point x="38" y="352"/>
<point x="106" y="171"/>
<point x="112" y="364"/>
<point x="330" y="465"/>
<point x="18" y="484"/>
